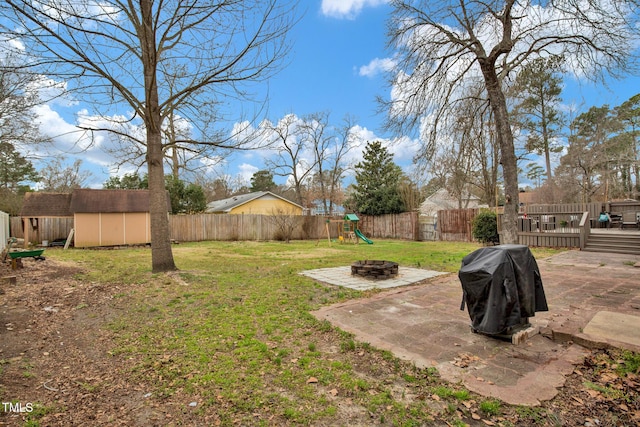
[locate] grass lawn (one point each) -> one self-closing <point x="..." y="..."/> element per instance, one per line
<point x="232" y="332"/>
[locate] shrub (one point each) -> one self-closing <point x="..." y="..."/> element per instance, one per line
<point x="485" y="227"/>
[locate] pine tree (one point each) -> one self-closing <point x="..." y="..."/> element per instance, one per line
<point x="538" y="88"/>
<point x="14" y="168"/>
<point x="262" y="181"/>
<point x="376" y="189"/>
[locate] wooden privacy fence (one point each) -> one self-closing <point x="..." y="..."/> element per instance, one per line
<point x="454" y="225"/>
<point x="201" y="227"/>
<point x="403" y="226"/>
<point x="47" y="228"/>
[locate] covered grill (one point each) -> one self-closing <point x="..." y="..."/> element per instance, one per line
<point x="502" y="288"/>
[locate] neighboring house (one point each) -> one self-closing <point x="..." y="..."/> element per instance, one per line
<point x="318" y="209"/>
<point x="100" y="217"/>
<point x="442" y="200"/>
<point x="259" y="203"/>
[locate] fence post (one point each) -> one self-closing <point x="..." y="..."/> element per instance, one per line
<point x="585" y="229"/>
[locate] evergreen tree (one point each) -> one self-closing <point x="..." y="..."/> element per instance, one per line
<point x="262" y="181"/>
<point x="14" y="168"/>
<point x="129" y="181"/>
<point x="537" y="111"/>
<point x="376" y="191"/>
<point x="185" y="198"/>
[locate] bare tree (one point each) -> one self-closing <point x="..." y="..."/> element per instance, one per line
<point x="344" y="141"/>
<point x="468" y="162"/>
<point x="57" y="177"/>
<point x="183" y="156"/>
<point x="18" y="95"/>
<point x="292" y="158"/>
<point x="285" y="222"/>
<point x="445" y="45"/>
<point x="315" y="132"/>
<point x="329" y="145"/>
<point x="119" y="54"/>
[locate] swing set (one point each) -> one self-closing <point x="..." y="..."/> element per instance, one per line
<point x="347" y="229"/>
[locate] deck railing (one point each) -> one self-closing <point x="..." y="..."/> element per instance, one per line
<point x="551" y="229"/>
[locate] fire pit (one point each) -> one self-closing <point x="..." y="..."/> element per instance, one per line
<point x="374" y="269"/>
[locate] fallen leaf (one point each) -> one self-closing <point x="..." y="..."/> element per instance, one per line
<point x="312" y="380"/>
<point x="435" y="397"/>
<point x="608" y="377"/>
<point x="489" y="423"/>
<point x="577" y="399"/>
<point x="333" y="392"/>
<point x="476" y="416"/>
<point x="593" y="393"/>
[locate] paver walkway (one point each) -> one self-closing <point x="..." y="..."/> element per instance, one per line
<point x="423" y="323"/>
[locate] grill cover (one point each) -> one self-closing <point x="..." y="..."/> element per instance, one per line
<point x="502" y="288"/>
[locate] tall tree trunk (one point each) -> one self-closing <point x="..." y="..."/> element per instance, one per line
<point x="507" y="152"/>
<point x="161" y="254"/>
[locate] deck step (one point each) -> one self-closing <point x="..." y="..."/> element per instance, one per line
<point x="627" y="251"/>
<point x="614" y="243"/>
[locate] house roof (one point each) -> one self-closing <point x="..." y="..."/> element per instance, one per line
<point x="443" y="200"/>
<point x="87" y="200"/>
<point x="226" y="205"/>
<point x="36" y="204"/>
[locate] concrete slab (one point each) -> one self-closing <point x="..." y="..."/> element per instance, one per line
<point x="341" y="276"/>
<point x="423" y="324"/>
<point x="618" y="327"/>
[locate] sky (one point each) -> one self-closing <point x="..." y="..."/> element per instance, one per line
<point x="336" y="65"/>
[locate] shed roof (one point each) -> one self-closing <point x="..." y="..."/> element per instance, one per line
<point x="351" y="217"/>
<point x="86" y="200"/>
<point x="37" y="204"/>
<point x="226" y="205"/>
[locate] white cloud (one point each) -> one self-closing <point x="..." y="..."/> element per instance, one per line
<point x="404" y="149"/>
<point x="377" y="66"/>
<point x="347" y="9"/>
<point x="363" y="134"/>
<point x="246" y="171"/>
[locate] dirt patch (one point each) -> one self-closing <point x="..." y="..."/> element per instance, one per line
<point x="54" y="350"/>
<point x="57" y="364"/>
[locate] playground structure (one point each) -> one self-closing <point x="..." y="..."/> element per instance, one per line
<point x="347" y="229"/>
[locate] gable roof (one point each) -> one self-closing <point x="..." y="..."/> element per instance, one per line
<point x="36" y="204"/>
<point x="226" y="205"/>
<point x="443" y="200"/>
<point x="87" y="200"/>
